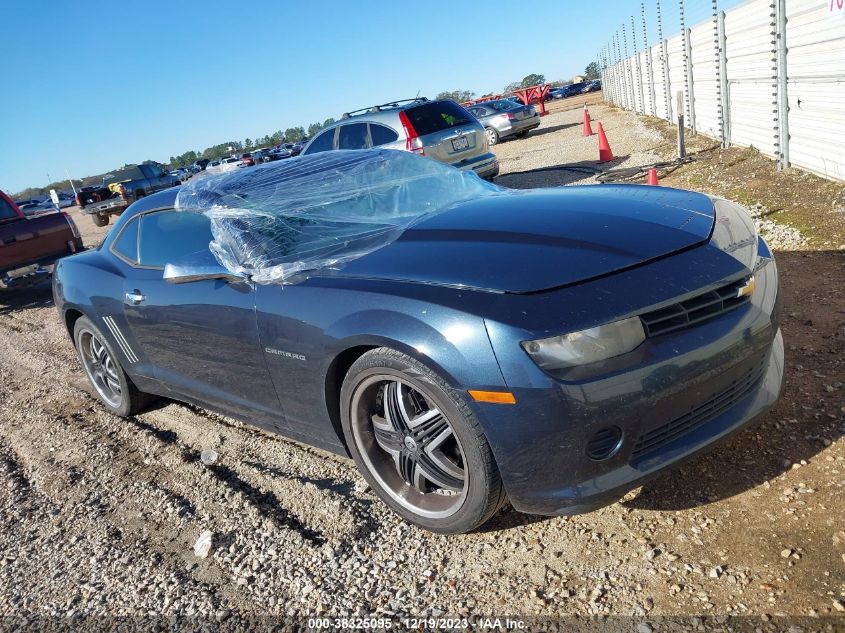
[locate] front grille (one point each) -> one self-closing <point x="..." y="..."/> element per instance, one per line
<point x="702" y="414"/>
<point x="703" y="307"/>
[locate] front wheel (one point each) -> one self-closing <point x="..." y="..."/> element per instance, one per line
<point x="418" y="444"/>
<point x="113" y="387"/>
<point x="492" y="136"/>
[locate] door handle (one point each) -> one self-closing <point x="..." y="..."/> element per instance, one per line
<point x="135" y="297"/>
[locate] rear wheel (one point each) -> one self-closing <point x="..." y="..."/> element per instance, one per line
<point x="492" y="136"/>
<point x="100" y="219"/>
<point x="418" y="444"/>
<point x="113" y="387"/>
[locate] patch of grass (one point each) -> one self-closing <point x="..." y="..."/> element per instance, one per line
<point x="813" y="205"/>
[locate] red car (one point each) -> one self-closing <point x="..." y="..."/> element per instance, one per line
<point x="29" y="245"/>
<point x="247" y="160"/>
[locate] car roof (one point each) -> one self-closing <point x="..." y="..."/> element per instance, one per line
<point x="385" y="111"/>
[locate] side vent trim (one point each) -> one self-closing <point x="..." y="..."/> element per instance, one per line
<point x="121" y="341"/>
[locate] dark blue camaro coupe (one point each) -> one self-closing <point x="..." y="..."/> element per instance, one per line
<point x="464" y="343"/>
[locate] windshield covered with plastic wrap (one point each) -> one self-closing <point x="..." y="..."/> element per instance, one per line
<point x="282" y="219"/>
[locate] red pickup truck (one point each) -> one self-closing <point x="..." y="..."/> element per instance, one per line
<point x="29" y="245"/>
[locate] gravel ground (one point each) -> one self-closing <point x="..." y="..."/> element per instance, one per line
<point x="101" y="515"/>
<point x="557" y="153"/>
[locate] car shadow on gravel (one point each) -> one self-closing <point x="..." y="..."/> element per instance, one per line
<point x="38" y="294"/>
<point x="508" y="519"/>
<point x="557" y="175"/>
<point x="552" y="128"/>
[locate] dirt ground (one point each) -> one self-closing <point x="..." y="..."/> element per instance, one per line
<point x="100" y="514"/>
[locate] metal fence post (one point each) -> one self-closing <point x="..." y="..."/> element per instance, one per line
<point x="690" y="81"/>
<point x="639" y="66"/>
<point x="611" y="75"/>
<point x="687" y="70"/>
<point x="623" y="80"/>
<point x="649" y="70"/>
<point x="717" y="47"/>
<point x="775" y="90"/>
<point x="783" y="87"/>
<point x="724" y="88"/>
<point x="629" y="69"/>
<point x="664" y="54"/>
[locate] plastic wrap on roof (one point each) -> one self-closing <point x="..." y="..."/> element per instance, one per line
<point x="279" y="220"/>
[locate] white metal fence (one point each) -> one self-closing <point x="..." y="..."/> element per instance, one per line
<point x="768" y="74"/>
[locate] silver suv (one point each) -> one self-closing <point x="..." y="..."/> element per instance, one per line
<point x="441" y="130"/>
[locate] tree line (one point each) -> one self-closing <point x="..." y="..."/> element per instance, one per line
<point x="221" y="150"/>
<point x="532" y="79"/>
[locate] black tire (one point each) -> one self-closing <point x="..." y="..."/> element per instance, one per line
<point x="492" y="136"/>
<point x="523" y="134"/>
<point x="482" y="492"/>
<point x="131" y="399"/>
<point x="99" y="219"/>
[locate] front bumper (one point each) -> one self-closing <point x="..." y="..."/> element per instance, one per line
<point x="612" y="485"/>
<point x="720" y="374"/>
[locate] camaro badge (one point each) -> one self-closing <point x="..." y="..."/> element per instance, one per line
<point x="281" y="352"/>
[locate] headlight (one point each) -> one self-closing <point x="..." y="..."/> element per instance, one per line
<point x="587" y="346"/>
<point x="734" y="232"/>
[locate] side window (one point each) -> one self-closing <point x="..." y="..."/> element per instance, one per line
<point x="127" y="242"/>
<point x="381" y="134"/>
<point x="167" y="236"/>
<point x="323" y="143"/>
<point x="6" y="210"/>
<point x="353" y="136"/>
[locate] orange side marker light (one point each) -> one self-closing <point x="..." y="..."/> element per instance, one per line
<point x="496" y="397"/>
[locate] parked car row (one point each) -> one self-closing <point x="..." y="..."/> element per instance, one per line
<point x="34" y="206"/>
<point x="120" y="189"/>
<point x="575" y="89"/>
<point x="182" y="173"/>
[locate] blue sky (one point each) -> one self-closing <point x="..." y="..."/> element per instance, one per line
<point x="161" y="78"/>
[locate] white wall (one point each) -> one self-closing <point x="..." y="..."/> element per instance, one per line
<point x="815" y="92"/>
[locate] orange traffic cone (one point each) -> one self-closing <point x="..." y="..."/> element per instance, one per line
<point x="588" y="129"/>
<point x="605" y="153"/>
<point x="652" y="177"/>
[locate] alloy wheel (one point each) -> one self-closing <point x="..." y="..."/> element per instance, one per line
<point x="100" y="367"/>
<point x="409" y="446"/>
<point x="492" y="136"/>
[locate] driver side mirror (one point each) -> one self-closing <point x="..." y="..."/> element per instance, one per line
<point x="199" y="267"/>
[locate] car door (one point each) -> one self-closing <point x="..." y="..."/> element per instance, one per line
<point x="201" y="337"/>
<point x="156" y="178"/>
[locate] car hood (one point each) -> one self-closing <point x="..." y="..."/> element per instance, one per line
<point x="528" y="241"/>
